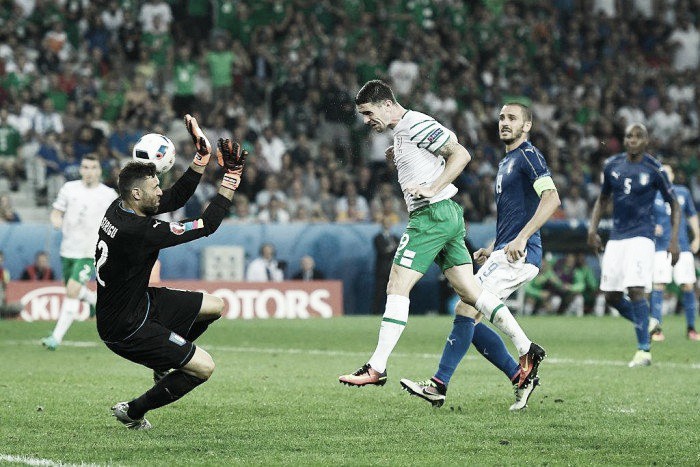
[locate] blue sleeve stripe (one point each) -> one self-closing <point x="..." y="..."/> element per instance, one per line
<point x="534" y="172"/>
<point x="540" y="158"/>
<point x="689" y="203"/>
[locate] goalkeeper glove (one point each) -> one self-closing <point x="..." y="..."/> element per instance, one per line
<point x="201" y="158"/>
<point x="231" y="157"/>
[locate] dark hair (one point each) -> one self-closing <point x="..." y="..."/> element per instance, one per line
<point x="90" y="157"/>
<point x="132" y="175"/>
<point x="374" y="91"/>
<point x="527" y="113"/>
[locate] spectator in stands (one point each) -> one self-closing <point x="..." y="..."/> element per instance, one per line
<point x="152" y="9"/>
<point x="242" y="211"/>
<point x="274" y="212"/>
<point x="7" y="212"/>
<point x="4" y="279"/>
<point x="10" y="142"/>
<point x="308" y="270"/>
<point x="297" y="73"/>
<point x="685" y="39"/>
<point x="271" y="149"/>
<point x="385" y="244"/>
<point x="352" y="207"/>
<point x="404" y="73"/>
<point x="265" y="267"/>
<point x="573" y="204"/>
<point x="40" y="270"/>
<point x="665" y="123"/>
<point x="543" y="293"/>
<point x="47" y="119"/>
<point x="297" y="199"/>
<point x="272" y="189"/>
<point x="221" y="61"/>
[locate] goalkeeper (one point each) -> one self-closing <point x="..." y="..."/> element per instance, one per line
<point x="156" y="326"/>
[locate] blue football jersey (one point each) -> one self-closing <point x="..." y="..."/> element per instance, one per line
<point x="516" y="199"/>
<point x="633" y="187"/>
<point x="662" y="213"/>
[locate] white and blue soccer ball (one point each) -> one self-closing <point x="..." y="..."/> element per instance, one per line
<point x="157" y="149"/>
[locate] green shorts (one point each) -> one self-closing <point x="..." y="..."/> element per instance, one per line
<point x="78" y="269"/>
<point x="434" y="233"/>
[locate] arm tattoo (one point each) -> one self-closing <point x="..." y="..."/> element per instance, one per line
<point x="447" y="149"/>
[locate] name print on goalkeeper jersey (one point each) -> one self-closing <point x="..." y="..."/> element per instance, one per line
<point x="128" y="247"/>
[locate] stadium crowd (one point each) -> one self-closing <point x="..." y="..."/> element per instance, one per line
<point x="79" y="77"/>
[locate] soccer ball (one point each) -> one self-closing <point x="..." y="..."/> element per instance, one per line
<point x="157" y="149"/>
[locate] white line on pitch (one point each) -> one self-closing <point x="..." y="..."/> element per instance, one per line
<point x="25" y="460"/>
<point x="345" y="353"/>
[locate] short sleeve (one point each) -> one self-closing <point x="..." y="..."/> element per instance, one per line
<point x="605" y="187"/>
<point x="429" y="134"/>
<point x="532" y="163"/>
<point x="61" y="203"/>
<point x="664" y="185"/>
<point x="689" y="207"/>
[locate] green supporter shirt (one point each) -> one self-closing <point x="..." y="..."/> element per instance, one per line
<point x="197" y="8"/>
<point x="17" y="81"/>
<point x="59" y="99"/>
<point x="367" y="71"/>
<point x="113" y="103"/>
<point x="185" y="76"/>
<point x="584" y="280"/>
<point x="10" y="141"/>
<point x="221" y="68"/>
<point x="225" y="15"/>
<point x="535" y="287"/>
<point x="159" y="45"/>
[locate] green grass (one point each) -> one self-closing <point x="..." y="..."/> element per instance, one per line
<point x="274" y="399"/>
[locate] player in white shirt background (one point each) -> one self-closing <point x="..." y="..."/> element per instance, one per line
<point x="78" y="211"/>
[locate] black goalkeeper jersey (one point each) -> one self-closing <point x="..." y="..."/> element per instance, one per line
<point x="128" y="247"/>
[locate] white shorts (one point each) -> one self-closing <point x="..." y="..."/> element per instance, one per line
<point x="682" y="273"/>
<point x="501" y="277"/>
<point x="627" y="263"/>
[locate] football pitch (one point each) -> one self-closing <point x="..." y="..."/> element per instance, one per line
<point x="275" y="399"/>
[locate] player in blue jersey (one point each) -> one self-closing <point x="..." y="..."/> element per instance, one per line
<point x="525" y="198"/>
<point x="631" y="180"/>
<point x="683" y="273"/>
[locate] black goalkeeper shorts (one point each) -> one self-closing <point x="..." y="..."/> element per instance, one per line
<point x="161" y="342"/>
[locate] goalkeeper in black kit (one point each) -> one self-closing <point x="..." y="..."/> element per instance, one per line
<point x="156" y="326"/>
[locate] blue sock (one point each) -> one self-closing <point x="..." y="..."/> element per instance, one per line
<point x="455" y="348"/>
<point x="491" y="346"/>
<point x="689" y="307"/>
<point x="657" y="303"/>
<point x="641" y="324"/>
<point x="624" y="307"/>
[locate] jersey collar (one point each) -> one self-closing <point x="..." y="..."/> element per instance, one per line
<point x="121" y="206"/>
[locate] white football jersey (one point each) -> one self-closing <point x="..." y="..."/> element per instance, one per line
<point x="417" y="137"/>
<point x="83" y="209"/>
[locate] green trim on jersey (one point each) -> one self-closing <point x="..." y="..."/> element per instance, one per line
<point x="419" y="123"/>
<point x="421" y="131"/>
<point x="440" y="147"/>
<point x="435" y="232"/>
<point x="395" y="321"/>
<point x="495" y="310"/>
<point x="78" y="269"/>
<point x="543" y="184"/>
